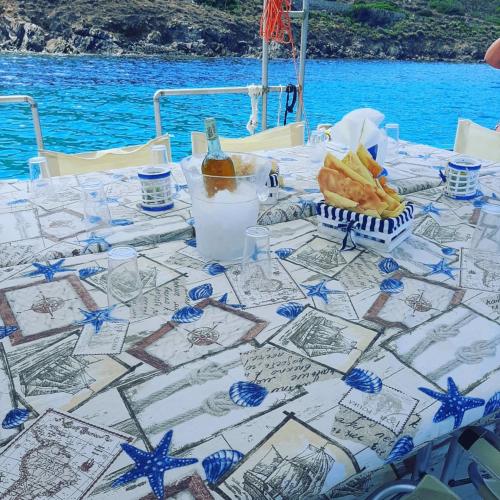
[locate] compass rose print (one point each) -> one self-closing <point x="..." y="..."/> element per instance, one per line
<point x="418" y="303"/>
<point x="47" y="305"/>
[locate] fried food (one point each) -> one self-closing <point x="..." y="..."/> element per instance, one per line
<point x="354" y="183"/>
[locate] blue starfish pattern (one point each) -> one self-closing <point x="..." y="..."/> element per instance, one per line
<point x="98" y="317"/>
<point x="453" y="404"/>
<point x="431" y="209"/>
<point x="319" y="290"/>
<point x="93" y="239"/>
<point x="49" y="270"/>
<point x="442" y="267"/>
<point x="152" y="465"/>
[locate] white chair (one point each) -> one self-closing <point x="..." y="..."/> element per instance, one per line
<point x="108" y="159"/>
<point x="473" y="140"/>
<point x="273" y="138"/>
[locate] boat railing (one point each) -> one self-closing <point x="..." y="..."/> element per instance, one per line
<point x="9" y="99"/>
<point x="204" y="91"/>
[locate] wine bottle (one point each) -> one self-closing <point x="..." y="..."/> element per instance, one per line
<point x="216" y="163"/>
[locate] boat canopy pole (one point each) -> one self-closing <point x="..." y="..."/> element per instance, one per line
<point x="8" y="99"/>
<point x="303" y="16"/>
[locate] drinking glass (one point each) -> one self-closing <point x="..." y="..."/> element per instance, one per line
<point x="487" y="234"/>
<point x="40" y="180"/>
<point x="317" y="146"/>
<point x="159" y="154"/>
<point x="95" y="208"/>
<point x="124" y="280"/>
<point x="392" y="131"/>
<point x="256" y="264"/>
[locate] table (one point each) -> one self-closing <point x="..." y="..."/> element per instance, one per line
<point x="44" y="229"/>
<point x="315" y="377"/>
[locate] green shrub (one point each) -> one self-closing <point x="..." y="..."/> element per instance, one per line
<point x="375" y="13"/>
<point x="220" y="4"/>
<point x="450" y="7"/>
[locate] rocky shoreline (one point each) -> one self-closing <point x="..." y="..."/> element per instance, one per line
<point x="193" y="31"/>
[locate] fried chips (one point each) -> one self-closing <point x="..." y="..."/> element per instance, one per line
<point x="354" y="184"/>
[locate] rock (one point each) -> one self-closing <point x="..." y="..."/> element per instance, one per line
<point x="33" y="38"/>
<point x="154" y="37"/>
<point x="57" y="46"/>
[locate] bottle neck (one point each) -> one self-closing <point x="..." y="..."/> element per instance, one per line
<point x="214" y="145"/>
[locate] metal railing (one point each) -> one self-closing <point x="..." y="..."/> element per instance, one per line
<point x="202" y="91"/>
<point x="9" y="99"/>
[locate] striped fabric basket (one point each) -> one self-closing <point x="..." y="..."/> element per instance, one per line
<point x="353" y="229"/>
<point x="274" y="188"/>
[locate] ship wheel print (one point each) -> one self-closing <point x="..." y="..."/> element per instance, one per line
<point x="47" y="305"/>
<point x="204" y="336"/>
<point x="418" y="303"/>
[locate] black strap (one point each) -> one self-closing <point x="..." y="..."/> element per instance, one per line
<point x="291" y="89"/>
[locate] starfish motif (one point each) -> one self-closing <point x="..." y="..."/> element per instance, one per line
<point x="319" y="290"/>
<point x="93" y="239"/>
<point x="442" y="267"/>
<point x="152" y="465"/>
<point x="98" y="317"/>
<point x="49" y="270"/>
<point x="431" y="209"/>
<point x="453" y="404"/>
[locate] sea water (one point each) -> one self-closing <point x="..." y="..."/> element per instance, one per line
<point x="221" y="221"/>
<point x="92" y="102"/>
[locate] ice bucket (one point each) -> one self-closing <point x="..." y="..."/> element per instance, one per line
<point x="220" y="221"/>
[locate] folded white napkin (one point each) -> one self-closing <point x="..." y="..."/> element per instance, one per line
<point x="362" y="126"/>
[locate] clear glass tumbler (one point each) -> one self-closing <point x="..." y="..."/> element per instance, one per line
<point x="95" y="208"/>
<point x="124" y="280"/>
<point x="40" y="179"/>
<point x="256" y="266"/>
<point x="392" y="131"/>
<point x="317" y="146"/>
<point x="159" y="155"/>
<point x="486" y="237"/>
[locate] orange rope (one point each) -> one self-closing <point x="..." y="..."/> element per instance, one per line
<point x="275" y="22"/>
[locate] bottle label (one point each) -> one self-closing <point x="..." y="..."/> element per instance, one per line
<point x="211" y="130"/>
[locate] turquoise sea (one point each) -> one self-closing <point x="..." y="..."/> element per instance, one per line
<point x="94" y="102"/>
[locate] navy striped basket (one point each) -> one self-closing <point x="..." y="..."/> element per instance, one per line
<point x="274" y="189"/>
<point x="381" y="235"/>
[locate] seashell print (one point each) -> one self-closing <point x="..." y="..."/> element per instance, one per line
<point x="220" y="462"/>
<point x="214" y="268"/>
<point x="121" y="222"/>
<point x="290" y="310"/>
<point x="283" y="253"/>
<point x="191" y="242"/>
<point x="187" y="314"/>
<point x="402" y="447"/>
<point x="388" y="265"/>
<point x="493" y="404"/>
<point x="247" y="394"/>
<point x="201" y="292"/>
<point x="449" y="251"/>
<point x="364" y="380"/>
<point x="87" y="272"/>
<point x="14" y="418"/>
<point x="5" y="331"/>
<point x="391" y="285"/>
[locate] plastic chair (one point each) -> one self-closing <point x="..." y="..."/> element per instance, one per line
<point x="483" y="446"/>
<point x="428" y="488"/>
<point x="95" y="161"/>
<point x="273" y="138"/>
<point x="473" y="140"/>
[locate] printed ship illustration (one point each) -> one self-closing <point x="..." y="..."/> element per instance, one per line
<point x="320" y="337"/>
<point x="301" y="476"/>
<point x="325" y="257"/>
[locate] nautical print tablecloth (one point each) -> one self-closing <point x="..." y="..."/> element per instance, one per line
<point x="315" y="384"/>
<point x="42" y="229"/>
